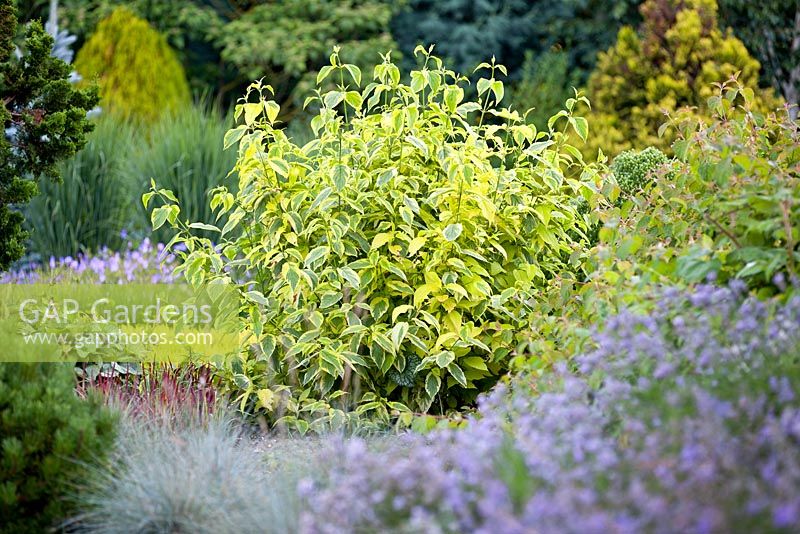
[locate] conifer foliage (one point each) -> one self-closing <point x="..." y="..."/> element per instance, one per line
<point x="47" y="437"/>
<point x="672" y="61"/>
<point x="140" y="76"/>
<point x="43" y="117"/>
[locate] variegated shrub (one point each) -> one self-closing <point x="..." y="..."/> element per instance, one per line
<point x="391" y="262"/>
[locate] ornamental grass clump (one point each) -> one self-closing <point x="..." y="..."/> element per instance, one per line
<point x="90" y="207"/>
<point x="198" y="478"/>
<point x="183" y="151"/>
<point x="389" y="262"/>
<point x="166" y="394"/>
<point x="683" y="420"/>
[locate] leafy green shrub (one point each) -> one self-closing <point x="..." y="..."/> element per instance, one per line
<point x="43" y="120"/>
<point x="633" y="169"/>
<point x="90" y="208"/>
<point x="139" y="75"/>
<point x="671" y="62"/>
<point x="183" y="152"/>
<point x="676" y="230"/>
<point x="47" y="435"/>
<point x="731" y="209"/>
<point x="408" y="228"/>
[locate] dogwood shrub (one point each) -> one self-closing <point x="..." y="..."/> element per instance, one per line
<point x="392" y="260"/>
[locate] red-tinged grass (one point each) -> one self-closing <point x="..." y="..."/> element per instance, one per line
<point x="157" y="392"/>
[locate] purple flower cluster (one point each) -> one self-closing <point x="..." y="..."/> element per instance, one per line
<point x="683" y="420"/>
<point x="145" y="263"/>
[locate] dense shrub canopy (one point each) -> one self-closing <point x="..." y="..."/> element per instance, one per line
<point x="634" y="169"/>
<point x="671" y="62"/>
<point x="139" y="75"/>
<point x="47" y="437"/>
<point x="771" y="31"/>
<point x="226" y="45"/>
<point x="396" y="252"/>
<point x="730" y="206"/>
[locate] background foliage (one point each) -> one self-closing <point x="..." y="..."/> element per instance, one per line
<point x="545" y="83"/>
<point x="224" y="45"/>
<point x="467" y="32"/>
<point x="670" y="62"/>
<point x="771" y="31"/>
<point x="140" y="77"/>
<point x="186" y="24"/>
<point x="288" y="42"/>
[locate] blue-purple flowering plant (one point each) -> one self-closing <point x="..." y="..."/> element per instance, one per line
<point x="685" y="419"/>
<point x="143" y="263"/>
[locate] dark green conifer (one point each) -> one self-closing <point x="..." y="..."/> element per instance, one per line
<point x="44" y="121"/>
